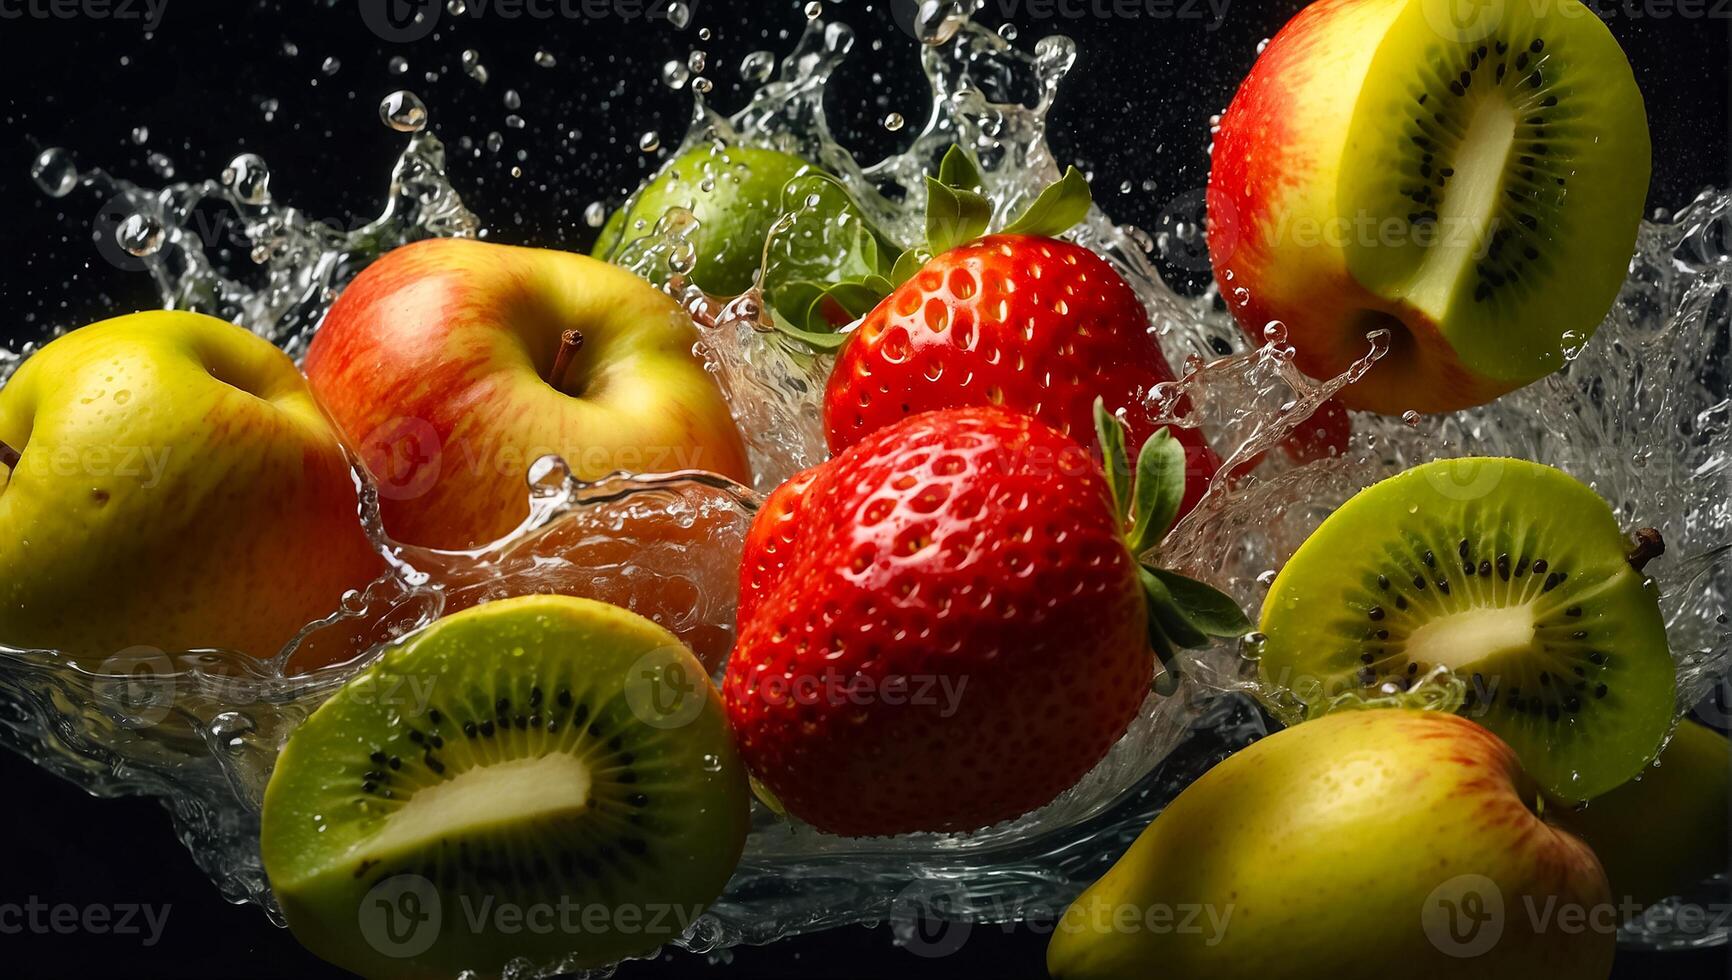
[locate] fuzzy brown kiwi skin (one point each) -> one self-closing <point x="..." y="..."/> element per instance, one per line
<point x="664" y="824"/>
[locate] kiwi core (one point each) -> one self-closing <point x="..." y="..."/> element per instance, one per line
<point x="486" y="797"/>
<point x="1469" y="211"/>
<point x="1461" y="640"/>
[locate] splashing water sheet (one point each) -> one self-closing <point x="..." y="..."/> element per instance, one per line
<point x="1639" y="413"/>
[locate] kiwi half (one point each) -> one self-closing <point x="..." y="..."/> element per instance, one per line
<point x="541" y="777"/>
<point x="1514" y="145"/>
<point x="1510" y="574"/>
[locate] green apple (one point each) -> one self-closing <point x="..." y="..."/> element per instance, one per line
<point x="453" y="364"/>
<point x="735" y="193"/>
<point x="1668" y="829"/>
<point x="1364" y="844"/>
<point x="171" y="484"/>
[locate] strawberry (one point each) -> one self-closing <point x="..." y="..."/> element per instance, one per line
<point x="945" y="626"/>
<point x="1020" y="319"/>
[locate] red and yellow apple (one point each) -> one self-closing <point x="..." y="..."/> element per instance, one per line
<point x="1469" y="177"/>
<point x="452" y="365"/>
<point x="1360" y="845"/>
<point x="167" y="480"/>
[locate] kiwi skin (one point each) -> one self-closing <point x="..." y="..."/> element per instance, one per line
<point x="643" y="838"/>
<point x="1509" y="573"/>
<point x="1666" y="830"/>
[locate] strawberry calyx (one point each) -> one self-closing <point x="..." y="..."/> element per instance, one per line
<point x="812" y="308"/>
<point x="1183" y="612"/>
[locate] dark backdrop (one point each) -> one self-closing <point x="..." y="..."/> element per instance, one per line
<point x="1136" y="109"/>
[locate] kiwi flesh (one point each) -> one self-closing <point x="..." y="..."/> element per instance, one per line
<point x="1515" y="148"/>
<point x="1510" y="574"/>
<point x="528" y="778"/>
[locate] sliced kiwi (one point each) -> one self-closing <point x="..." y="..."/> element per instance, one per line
<point x="541" y="777"/>
<point x="1510" y="574"/>
<point x="1513" y="151"/>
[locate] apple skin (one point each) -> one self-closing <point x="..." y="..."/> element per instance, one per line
<point x="433" y="364"/>
<point x="1668" y="830"/>
<point x="178" y="488"/>
<point x="1276" y="182"/>
<point x="1318" y="850"/>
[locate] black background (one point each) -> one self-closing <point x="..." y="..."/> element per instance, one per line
<point x="1136" y="109"/>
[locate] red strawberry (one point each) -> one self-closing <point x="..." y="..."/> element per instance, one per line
<point x="1020" y="319"/>
<point x="944" y="627"/>
<point x="971" y="557"/>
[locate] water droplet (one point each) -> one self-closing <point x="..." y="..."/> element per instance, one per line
<point x="140" y="235"/>
<point x="249" y="178"/>
<point x="1275" y="332"/>
<point x="495" y="142"/>
<point x="514" y="121"/>
<point x="595" y="215"/>
<point x="141" y="135"/>
<point x="679" y="15"/>
<point x="512" y="99"/>
<point x="403" y="111"/>
<point x="814" y="10"/>
<point x="649" y="142"/>
<point x="331" y="66"/>
<point x="457" y="7"/>
<point x="547" y="476"/>
<point x="545" y="59"/>
<point x="290" y="49"/>
<point x="472" y="66"/>
<point x="54" y="172"/>
<point x="1411" y="418"/>
<point x="893" y="121"/>
<point x="1007" y="31"/>
<point x="675" y="75"/>
<point x="758" y="66"/>
<point x="697" y="61"/>
<point x="712" y="762"/>
<point x="160" y="163"/>
<point x="398" y="65"/>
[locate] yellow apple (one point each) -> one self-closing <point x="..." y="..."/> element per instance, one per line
<point x="172" y="484"/>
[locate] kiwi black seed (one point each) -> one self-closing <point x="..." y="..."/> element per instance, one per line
<point x="1565" y="657"/>
<point x="446" y="767"/>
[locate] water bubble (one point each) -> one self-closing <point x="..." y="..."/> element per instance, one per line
<point x="495" y="142"/>
<point x="140" y="235"/>
<point x="160" y="163"/>
<point x="547" y="476"/>
<point x="514" y="121"/>
<point x="269" y="107"/>
<point x="231" y="728"/>
<point x="1410" y="417"/>
<point x="1572" y="342"/>
<point x="403" y="111"/>
<point x="814" y="10"/>
<point x="141" y="135"/>
<point x="249" y="178"/>
<point x="1275" y="332"/>
<point x="712" y="762"/>
<point x="893" y="121"/>
<point x="331" y="66"/>
<point x="545" y="59"/>
<point x="457" y="7"/>
<point x="290" y="49"/>
<point x="697" y="61"/>
<point x="512" y="99"/>
<point x="1007" y="31"/>
<point x="679" y="15"/>
<point x="675" y="75"/>
<point x="595" y="215"/>
<point x="472" y="66"/>
<point x="704" y="34"/>
<point x="1251" y="644"/>
<point x="398" y="65"/>
<point x="758" y="66"/>
<point x="54" y="172"/>
<point x="649" y="142"/>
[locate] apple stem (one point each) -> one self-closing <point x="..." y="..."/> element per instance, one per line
<point x="9" y="457"/>
<point x="570" y="343"/>
<point x="1649" y="546"/>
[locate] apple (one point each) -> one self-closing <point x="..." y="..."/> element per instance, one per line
<point x="1363" y="844"/>
<point x="734" y="192"/>
<point x="167" y="480"/>
<point x="453" y="364"/>
<point x="1666" y="830"/>
<point x="1468" y="176"/>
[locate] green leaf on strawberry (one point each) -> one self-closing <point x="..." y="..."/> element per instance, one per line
<point x="1183" y="612"/>
<point x="1059" y="207"/>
